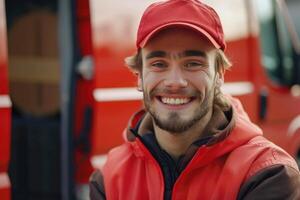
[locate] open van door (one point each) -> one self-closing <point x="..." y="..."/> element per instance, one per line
<point x="5" y="110"/>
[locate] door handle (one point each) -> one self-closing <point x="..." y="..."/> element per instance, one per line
<point x="263" y="103"/>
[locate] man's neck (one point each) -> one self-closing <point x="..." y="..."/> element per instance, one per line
<point x="177" y="144"/>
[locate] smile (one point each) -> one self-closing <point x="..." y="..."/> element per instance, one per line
<point x="175" y="101"/>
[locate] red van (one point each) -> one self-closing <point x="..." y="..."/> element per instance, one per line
<point x="72" y="95"/>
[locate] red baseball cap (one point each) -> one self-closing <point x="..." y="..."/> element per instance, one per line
<point x="189" y="13"/>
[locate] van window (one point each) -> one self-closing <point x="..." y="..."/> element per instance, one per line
<point x="294" y="7"/>
<point x="276" y="45"/>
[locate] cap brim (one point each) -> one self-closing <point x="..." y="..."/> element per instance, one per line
<point x="198" y="29"/>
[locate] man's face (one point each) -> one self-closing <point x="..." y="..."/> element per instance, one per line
<point x="178" y="78"/>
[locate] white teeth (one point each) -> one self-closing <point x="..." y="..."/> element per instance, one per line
<point x="175" y="101"/>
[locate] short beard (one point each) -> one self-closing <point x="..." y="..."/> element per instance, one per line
<point x="174" y="124"/>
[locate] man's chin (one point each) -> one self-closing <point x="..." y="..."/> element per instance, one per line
<point x="173" y="124"/>
<point x="173" y="128"/>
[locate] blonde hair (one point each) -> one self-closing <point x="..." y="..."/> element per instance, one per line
<point x="135" y="63"/>
<point x="222" y="63"/>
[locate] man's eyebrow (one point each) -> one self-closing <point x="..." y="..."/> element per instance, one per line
<point x="194" y="53"/>
<point x="154" y="54"/>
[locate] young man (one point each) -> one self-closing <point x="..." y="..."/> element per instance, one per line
<point x="191" y="141"/>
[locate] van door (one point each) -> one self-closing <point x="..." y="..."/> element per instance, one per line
<point x="34" y="83"/>
<point x="5" y="110"/>
<point x="280" y="51"/>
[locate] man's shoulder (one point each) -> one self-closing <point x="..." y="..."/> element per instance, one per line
<point x="274" y="182"/>
<point x="116" y="159"/>
<point x="273" y="174"/>
<point x="264" y="154"/>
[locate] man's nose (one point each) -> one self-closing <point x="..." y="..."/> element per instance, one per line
<point x="175" y="79"/>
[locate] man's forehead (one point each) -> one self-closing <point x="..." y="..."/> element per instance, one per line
<point x="176" y="43"/>
<point x="180" y="39"/>
<point x="176" y="54"/>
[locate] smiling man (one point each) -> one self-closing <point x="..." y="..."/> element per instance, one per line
<point x="190" y="141"/>
<point x="179" y="80"/>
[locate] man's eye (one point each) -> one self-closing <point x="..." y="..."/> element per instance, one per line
<point x="159" y="64"/>
<point x="195" y="64"/>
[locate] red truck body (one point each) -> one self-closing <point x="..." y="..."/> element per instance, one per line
<point x="262" y="43"/>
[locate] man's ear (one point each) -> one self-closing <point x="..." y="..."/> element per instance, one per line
<point x="139" y="83"/>
<point x="220" y="77"/>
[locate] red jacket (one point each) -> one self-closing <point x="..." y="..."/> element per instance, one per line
<point x="215" y="172"/>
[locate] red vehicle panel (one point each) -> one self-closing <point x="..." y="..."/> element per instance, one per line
<point x="5" y="115"/>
